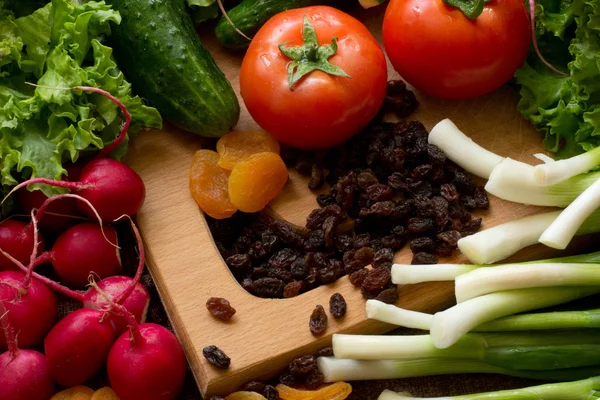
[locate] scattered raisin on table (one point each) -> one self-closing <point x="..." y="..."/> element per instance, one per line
<point x="253" y="386"/>
<point x="318" y="321"/>
<point x="337" y="305"/>
<point x="220" y="308"/>
<point x="325" y="352"/>
<point x="216" y="357"/>
<point x="358" y="277"/>
<point x="270" y="393"/>
<point x="314" y="379"/>
<point x="301" y="366"/>
<point x="389" y="296"/>
<point x="424" y="258"/>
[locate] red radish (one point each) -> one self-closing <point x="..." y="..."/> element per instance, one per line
<point x="146" y="363"/>
<point x="24" y="374"/>
<point x="112" y="187"/>
<point x="16" y="237"/>
<point x="77" y="346"/>
<point x="33" y="309"/>
<point x="83" y="249"/>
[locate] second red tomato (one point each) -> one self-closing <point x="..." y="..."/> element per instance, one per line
<point x="321" y="109"/>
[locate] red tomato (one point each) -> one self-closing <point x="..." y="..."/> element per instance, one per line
<point x="441" y="52"/>
<point x="322" y="110"/>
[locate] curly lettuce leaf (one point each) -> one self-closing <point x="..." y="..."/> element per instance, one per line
<point x="565" y="108"/>
<point x="57" y="47"/>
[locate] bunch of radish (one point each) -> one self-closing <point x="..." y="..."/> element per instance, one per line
<point x="144" y="360"/>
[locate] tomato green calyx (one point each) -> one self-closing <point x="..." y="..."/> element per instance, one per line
<point x="471" y="8"/>
<point x="310" y="56"/>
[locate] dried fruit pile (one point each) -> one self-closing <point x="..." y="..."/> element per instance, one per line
<point x="394" y="188"/>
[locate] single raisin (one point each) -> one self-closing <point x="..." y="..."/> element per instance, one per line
<point x="379" y="192"/>
<point x="283" y="258"/>
<point x="358" y="277"/>
<point x="220" y="308"/>
<point x="424" y="258"/>
<point x="247" y="284"/>
<point x="422" y="244"/>
<point x="238" y="261"/>
<point x="366" y="179"/>
<point x="253" y="386"/>
<point x="257" y="251"/>
<point x="420" y="225"/>
<point x="286" y="378"/>
<point x="299" y="269"/>
<point x="301" y="366"/>
<point x="304" y="163"/>
<point x="268" y="287"/>
<point x="443" y="249"/>
<point x="318" y="321"/>
<point x="317" y="177"/>
<point x="399" y="100"/>
<point x="325" y="352"/>
<point x="324" y="200"/>
<point x="342" y="242"/>
<point x="216" y="357"/>
<point x="420" y="172"/>
<point x="421" y="188"/>
<point x="286" y="232"/>
<point x="376" y="279"/>
<point x="269" y="241"/>
<point x="364" y="255"/>
<point x="449" y="237"/>
<point x="360" y="241"/>
<point x="314" y="379"/>
<point x="471" y="227"/>
<point x="397" y="181"/>
<point x="270" y="393"/>
<point x="394" y="242"/>
<point x="389" y="296"/>
<point x="463" y="183"/>
<point x="449" y="192"/>
<point x="435" y="154"/>
<point x="329" y="226"/>
<point x="481" y="199"/>
<point x="383" y="257"/>
<point x="337" y="305"/>
<point x="292" y="289"/>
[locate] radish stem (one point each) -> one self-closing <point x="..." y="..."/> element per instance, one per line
<point x="9" y="334"/>
<point x="141" y="262"/>
<point x="463" y="150"/>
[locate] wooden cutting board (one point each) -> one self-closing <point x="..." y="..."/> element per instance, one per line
<point x="265" y="334"/>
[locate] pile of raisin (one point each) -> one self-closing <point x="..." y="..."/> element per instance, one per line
<point x="393" y="186"/>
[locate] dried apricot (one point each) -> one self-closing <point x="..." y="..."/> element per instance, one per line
<point x="105" y="393"/>
<point x="208" y="184"/>
<point x="337" y="391"/>
<point x="74" y="393"/>
<point x="245" y="396"/>
<point x="236" y="146"/>
<point x="256" y="181"/>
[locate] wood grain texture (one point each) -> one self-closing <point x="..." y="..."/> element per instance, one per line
<point x="265" y="334"/>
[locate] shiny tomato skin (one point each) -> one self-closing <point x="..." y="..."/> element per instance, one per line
<point x="442" y="53"/>
<point x="323" y="110"/>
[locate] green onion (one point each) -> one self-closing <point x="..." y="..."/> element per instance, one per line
<point x="504" y="240"/>
<point x="448" y="326"/>
<point x="565" y="226"/>
<point x="552" y="173"/>
<point x="527" y="350"/>
<point x="462" y="150"/>
<point x="536" y="321"/>
<point x="588" y="389"/>
<point x="521" y="276"/>
<point x="514" y="181"/>
<point x="339" y="369"/>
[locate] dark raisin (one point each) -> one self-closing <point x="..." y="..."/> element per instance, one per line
<point x="311" y="278"/>
<point x="449" y="237"/>
<point x="360" y="241"/>
<point x="280" y="273"/>
<point x="329" y="226"/>
<point x="471" y="227"/>
<point x="270" y="393"/>
<point x="287" y="379"/>
<point x="399" y="230"/>
<point x="443" y="249"/>
<point x="481" y="199"/>
<point x="394" y="242"/>
<point x="216" y="357"/>
<point x="317" y="216"/>
<point x="314" y="379"/>
<point x="435" y="154"/>
<point x="383" y="257"/>
<point x="325" y="200"/>
<point x="331" y="273"/>
<point x="399" y="100"/>
<point x="315" y="241"/>
<point x="220" y="308"/>
<point x="325" y="352"/>
<point x="286" y="232"/>
<point x="463" y="183"/>
<point x="376" y="244"/>
<point x="242" y="244"/>
<point x="337" y="305"/>
<point x="238" y="261"/>
<point x="389" y="296"/>
<point x="269" y="241"/>
<point x="283" y="258"/>
<point x="358" y="277"/>
<point x="420" y="225"/>
<point x="299" y="269"/>
<point x="216" y="398"/>
<point x="247" y="284"/>
<point x="382" y="209"/>
<point x="253" y="386"/>
<point x="364" y="255"/>
<point x="449" y="192"/>
<point x="422" y="244"/>
<point x="317" y="177"/>
<point x="469" y="202"/>
<point x="438" y="175"/>
<point x="440" y="212"/>
<point x="421" y="172"/>
<point x="379" y="192"/>
<point x="397" y="181"/>
<point x="292" y="289"/>
<point x="257" y="251"/>
<point x="421" y="188"/>
<point x="304" y="163"/>
<point x="301" y="366"/>
<point x="318" y="321"/>
<point x="424" y="258"/>
<point x="376" y="279"/>
<point x="366" y="179"/>
<point x="342" y="242"/>
<point x="290" y="155"/>
<point x="268" y="287"/>
<point x="260" y="272"/>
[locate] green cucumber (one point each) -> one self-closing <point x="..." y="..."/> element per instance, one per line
<point x="158" y="49"/>
<point x="250" y="15"/>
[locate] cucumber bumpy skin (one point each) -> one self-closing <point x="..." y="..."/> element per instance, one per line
<point x="250" y="15"/>
<point x="158" y="49"/>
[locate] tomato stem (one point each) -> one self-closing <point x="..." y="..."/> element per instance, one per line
<point x="310" y="56"/>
